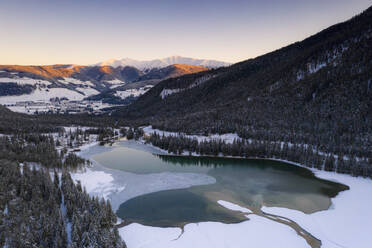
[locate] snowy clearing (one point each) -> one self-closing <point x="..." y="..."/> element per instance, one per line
<point x="75" y="81"/>
<point x="132" y="92"/>
<point x="167" y="92"/>
<point x="115" y="82"/>
<point x="42" y="95"/>
<point x="23" y="81"/>
<point x="88" y="91"/>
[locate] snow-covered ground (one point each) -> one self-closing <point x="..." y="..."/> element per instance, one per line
<point x="132" y="92"/>
<point x="115" y="83"/>
<point x="25" y="80"/>
<point x="160" y="63"/>
<point x="228" y="138"/>
<point x="167" y="92"/>
<point x="75" y="81"/>
<point x="257" y="232"/>
<point x="27" y="110"/>
<point x="87" y="91"/>
<point x="347" y="223"/>
<point x="42" y="95"/>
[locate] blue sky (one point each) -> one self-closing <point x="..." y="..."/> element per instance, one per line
<point x="86" y="32"/>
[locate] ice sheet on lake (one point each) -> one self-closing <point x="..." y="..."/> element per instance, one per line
<point x="120" y="186"/>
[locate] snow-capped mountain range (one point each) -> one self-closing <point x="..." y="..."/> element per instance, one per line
<point x="42" y="83"/>
<point x="160" y="63"/>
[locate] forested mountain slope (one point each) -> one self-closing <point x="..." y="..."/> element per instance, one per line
<point x="39" y="208"/>
<point x="127" y="93"/>
<point x="317" y="91"/>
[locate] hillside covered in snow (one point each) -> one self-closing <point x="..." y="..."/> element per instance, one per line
<point x="161" y="63"/>
<point x="20" y="85"/>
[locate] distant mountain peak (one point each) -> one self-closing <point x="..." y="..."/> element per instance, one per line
<point x="160" y="63"/>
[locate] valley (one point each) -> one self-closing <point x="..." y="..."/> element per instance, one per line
<point x="86" y="89"/>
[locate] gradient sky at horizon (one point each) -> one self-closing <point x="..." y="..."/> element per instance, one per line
<point x="89" y="31"/>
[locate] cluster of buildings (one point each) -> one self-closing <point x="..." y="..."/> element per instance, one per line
<point x="59" y="106"/>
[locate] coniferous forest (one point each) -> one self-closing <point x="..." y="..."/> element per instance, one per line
<point x="306" y="155"/>
<point x="41" y="206"/>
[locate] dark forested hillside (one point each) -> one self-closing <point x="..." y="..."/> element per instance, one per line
<point x="40" y="205"/>
<point x="36" y="211"/>
<point x="317" y="91"/>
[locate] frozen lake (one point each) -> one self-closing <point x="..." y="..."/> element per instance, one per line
<point x="248" y="183"/>
<point x="275" y="201"/>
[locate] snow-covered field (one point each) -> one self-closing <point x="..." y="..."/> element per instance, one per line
<point x="115" y="83"/>
<point x="87" y="91"/>
<point x="42" y="95"/>
<point x="132" y="92"/>
<point x="75" y="81"/>
<point x="25" y="80"/>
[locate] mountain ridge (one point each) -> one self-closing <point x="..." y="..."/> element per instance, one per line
<point x="161" y="63"/>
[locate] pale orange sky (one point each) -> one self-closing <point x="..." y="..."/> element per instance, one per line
<point x="87" y="32"/>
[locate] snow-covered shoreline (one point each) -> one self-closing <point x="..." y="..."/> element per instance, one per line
<point x="119" y="186"/>
<point x="349" y="213"/>
<point x="228" y="138"/>
<point x="343" y="225"/>
<point x="347" y="222"/>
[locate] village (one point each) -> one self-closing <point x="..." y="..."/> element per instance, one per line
<point x="60" y="106"/>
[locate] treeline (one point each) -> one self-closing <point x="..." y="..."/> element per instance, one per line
<point x="79" y="136"/>
<point x="38" y="211"/>
<point x="40" y="149"/>
<point x="307" y="155"/>
<point x="132" y="133"/>
<point x="11" y="122"/>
